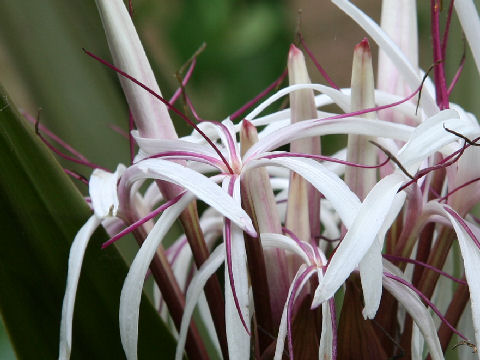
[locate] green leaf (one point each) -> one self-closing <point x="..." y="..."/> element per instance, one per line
<point x="40" y="213"/>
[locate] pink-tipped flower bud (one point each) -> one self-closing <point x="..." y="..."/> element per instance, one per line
<point x="150" y="115"/>
<point x="359" y="150"/>
<point x="302" y="107"/>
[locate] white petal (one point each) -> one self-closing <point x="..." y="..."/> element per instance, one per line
<point x="133" y="285"/>
<point x="412" y="75"/>
<point x="209" y="267"/>
<point x="198" y="184"/>
<point x="430" y="136"/>
<point x="154" y="146"/>
<point x="128" y="55"/>
<point x="278" y="241"/>
<point x="468" y="16"/>
<point x="360" y="236"/>
<point x="238" y="339"/>
<point x="371" y="266"/>
<point x="371" y="279"/>
<point x="471" y="263"/>
<point x="77" y="251"/>
<point x="329" y="184"/>
<point x="414" y="306"/>
<point x="310" y="128"/>
<point x="325" y="350"/>
<point x="282" y="330"/>
<point x="103" y="191"/>
<point x="337" y="96"/>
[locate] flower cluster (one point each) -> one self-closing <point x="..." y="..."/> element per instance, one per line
<point x="314" y="248"/>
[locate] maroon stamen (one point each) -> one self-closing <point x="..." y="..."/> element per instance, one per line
<point x="76" y="175"/>
<point x="426" y="300"/>
<point x="63" y="155"/>
<point x="295" y="238"/>
<point x="143" y="220"/>
<point x="446" y="31"/>
<point x="185" y="80"/>
<point x="439" y="70"/>
<point x="457" y="74"/>
<point x="445" y="198"/>
<point x="54" y="137"/>
<point x="325" y="158"/>
<point x="252" y="102"/>
<point x="118" y="130"/>
<point x="425" y="265"/>
<point x="170" y="106"/>
<point x="320" y="69"/>
<point x="449" y="160"/>
<point x="463" y="224"/>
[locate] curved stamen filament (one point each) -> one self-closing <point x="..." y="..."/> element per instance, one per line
<point x="170" y="106"/>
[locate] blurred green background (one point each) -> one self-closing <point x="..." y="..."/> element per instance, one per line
<point x="42" y="64"/>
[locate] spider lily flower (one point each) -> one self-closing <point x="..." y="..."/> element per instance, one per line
<point x="273" y="259"/>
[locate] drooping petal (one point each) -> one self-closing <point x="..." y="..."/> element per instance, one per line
<point x="209" y="267"/>
<point x="414" y="306"/>
<point x="371" y="267"/>
<point x="337" y="96"/>
<point x="325" y="349"/>
<point x="201" y="186"/>
<point x="282" y="330"/>
<point x="411" y="74"/>
<point x="471" y="258"/>
<point x="431" y="136"/>
<point x="133" y="285"/>
<point x="237" y="314"/>
<point x="468" y="16"/>
<point x="360" y="236"/>
<point x="154" y="146"/>
<point x="151" y="115"/>
<point x="77" y="251"/>
<point x="309" y="128"/>
<point x="284" y="242"/>
<point x="103" y="191"/>
<point x="344" y="201"/>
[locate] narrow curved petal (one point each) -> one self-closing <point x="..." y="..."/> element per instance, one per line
<point x="237" y="314"/>
<point x="209" y="267"/>
<point x="431" y="136"/>
<point x="278" y="241"/>
<point x="468" y="16"/>
<point x="412" y="75"/>
<point x="154" y="146"/>
<point x="360" y="236"/>
<point x="103" y="191"/>
<point x="198" y="184"/>
<point x="325" y="349"/>
<point x="471" y="259"/>
<point x="282" y="330"/>
<point x="77" y="251"/>
<point x="414" y="306"/>
<point x="337" y="96"/>
<point x="309" y="128"/>
<point x="133" y="285"/>
<point x="371" y="266"/>
<point x="344" y="201"/>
